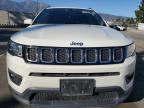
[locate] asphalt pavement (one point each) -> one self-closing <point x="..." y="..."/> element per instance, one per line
<point x="136" y="100"/>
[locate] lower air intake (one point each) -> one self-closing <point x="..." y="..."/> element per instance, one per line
<point x="55" y="99"/>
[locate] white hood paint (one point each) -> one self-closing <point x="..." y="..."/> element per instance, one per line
<point x="63" y="35"/>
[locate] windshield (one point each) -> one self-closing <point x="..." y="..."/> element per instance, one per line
<point x="69" y="16"/>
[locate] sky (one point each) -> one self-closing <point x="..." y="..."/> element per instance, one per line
<point x="116" y="7"/>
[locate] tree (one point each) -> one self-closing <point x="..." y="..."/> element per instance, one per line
<point x="130" y="21"/>
<point x="140" y="13"/>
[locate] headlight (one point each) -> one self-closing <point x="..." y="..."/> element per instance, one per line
<point x="131" y="50"/>
<point x="15" y="49"/>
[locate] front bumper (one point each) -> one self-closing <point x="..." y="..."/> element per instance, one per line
<point x="53" y="98"/>
<point x="31" y="84"/>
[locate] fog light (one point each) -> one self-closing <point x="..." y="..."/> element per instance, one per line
<point x="129" y="77"/>
<point x="15" y="78"/>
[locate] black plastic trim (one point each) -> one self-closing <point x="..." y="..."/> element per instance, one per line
<point x="15" y="78"/>
<point x="74" y="74"/>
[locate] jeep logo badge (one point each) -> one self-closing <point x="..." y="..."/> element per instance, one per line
<point x="76" y="43"/>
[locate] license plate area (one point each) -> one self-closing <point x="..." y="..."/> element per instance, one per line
<point x="77" y="87"/>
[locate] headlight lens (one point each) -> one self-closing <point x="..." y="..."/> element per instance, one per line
<point x="131" y="50"/>
<point x="15" y="49"/>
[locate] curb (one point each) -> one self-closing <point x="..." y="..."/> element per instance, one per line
<point x="3" y="44"/>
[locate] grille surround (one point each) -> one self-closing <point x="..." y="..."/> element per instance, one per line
<point x="121" y="54"/>
<point x="71" y="56"/>
<point x="98" y="62"/>
<point x="41" y="55"/>
<point x="56" y="55"/>
<point x="27" y="56"/>
<point x="96" y="55"/>
<point x="100" y="57"/>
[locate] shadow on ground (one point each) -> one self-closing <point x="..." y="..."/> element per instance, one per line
<point x="8" y="103"/>
<point x="138" y="90"/>
<point x="137" y="93"/>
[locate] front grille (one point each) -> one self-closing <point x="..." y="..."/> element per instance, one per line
<point x="68" y="56"/>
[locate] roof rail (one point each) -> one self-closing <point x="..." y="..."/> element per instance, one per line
<point x="90" y="8"/>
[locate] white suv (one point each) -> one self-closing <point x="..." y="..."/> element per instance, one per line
<point x="69" y="56"/>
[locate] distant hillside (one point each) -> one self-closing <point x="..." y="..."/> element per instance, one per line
<point x="27" y="6"/>
<point x="109" y="17"/>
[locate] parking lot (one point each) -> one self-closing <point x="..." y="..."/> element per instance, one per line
<point x="136" y="100"/>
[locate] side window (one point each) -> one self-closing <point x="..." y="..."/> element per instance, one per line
<point x="100" y="20"/>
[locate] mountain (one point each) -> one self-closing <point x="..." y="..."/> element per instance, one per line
<point x="109" y="17"/>
<point x="27" y="6"/>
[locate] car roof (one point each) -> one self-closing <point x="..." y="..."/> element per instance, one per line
<point x="69" y="8"/>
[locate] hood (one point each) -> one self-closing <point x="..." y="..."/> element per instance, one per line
<point x="65" y="35"/>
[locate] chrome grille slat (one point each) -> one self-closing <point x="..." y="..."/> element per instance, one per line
<point x="105" y="55"/>
<point x="68" y="56"/>
<point x="117" y="54"/>
<point x="62" y="55"/>
<point x="46" y="55"/>
<point x="31" y="54"/>
<point x="76" y="56"/>
<point x="91" y="55"/>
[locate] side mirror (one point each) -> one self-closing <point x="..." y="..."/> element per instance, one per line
<point x="28" y="21"/>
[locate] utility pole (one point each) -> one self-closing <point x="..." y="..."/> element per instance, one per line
<point x="8" y="17"/>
